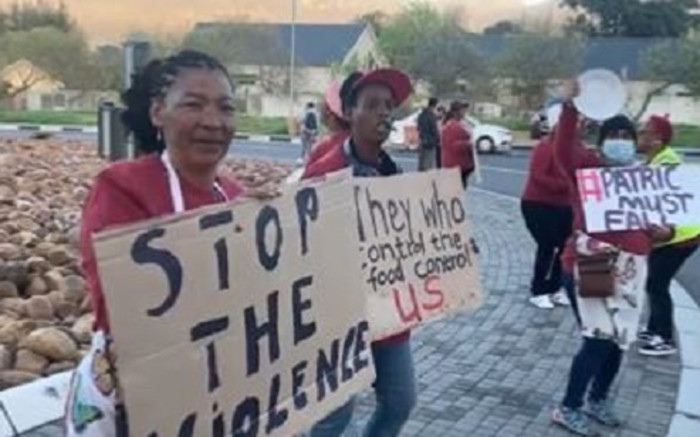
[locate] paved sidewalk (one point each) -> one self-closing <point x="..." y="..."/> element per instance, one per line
<point x="499" y="371"/>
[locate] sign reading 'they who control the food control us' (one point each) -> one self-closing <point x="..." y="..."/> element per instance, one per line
<point x="239" y="320"/>
<point x="419" y="261"/>
<point x="629" y="198"/>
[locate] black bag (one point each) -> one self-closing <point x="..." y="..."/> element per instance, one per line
<point x="310" y="122"/>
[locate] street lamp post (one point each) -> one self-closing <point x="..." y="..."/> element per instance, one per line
<point x="292" y="60"/>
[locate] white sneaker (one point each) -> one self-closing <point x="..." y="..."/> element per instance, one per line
<point x="560" y="298"/>
<point x="542" y="302"/>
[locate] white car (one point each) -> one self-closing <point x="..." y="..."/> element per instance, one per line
<point x="487" y="138"/>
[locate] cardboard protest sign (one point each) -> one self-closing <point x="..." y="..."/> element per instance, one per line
<point x="240" y="320"/>
<point x="418" y="260"/>
<point x="628" y="198"/>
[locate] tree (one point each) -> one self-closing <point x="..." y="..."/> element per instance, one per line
<point x="671" y="63"/>
<point x="28" y="15"/>
<point x="503" y="27"/>
<point x="404" y="33"/>
<point x="632" y="18"/>
<point x="449" y="62"/>
<point x="531" y="61"/>
<point x="59" y="55"/>
<point x="241" y="46"/>
<point x="432" y="47"/>
<point x="376" y="19"/>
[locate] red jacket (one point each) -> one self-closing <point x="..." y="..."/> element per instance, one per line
<point x="326" y="144"/>
<point x="333" y="161"/>
<point x="456" y="146"/>
<point x="128" y="192"/>
<point x="546" y="183"/>
<point x="636" y="242"/>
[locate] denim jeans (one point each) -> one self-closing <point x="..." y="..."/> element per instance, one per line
<point x="395" y="389"/>
<point x="596" y="365"/>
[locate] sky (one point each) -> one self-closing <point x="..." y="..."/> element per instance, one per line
<point x="109" y="21"/>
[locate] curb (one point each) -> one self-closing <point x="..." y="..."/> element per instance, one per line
<point x="28" y="127"/>
<point x="686" y="420"/>
<point x="93" y="130"/>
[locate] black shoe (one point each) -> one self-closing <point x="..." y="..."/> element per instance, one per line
<point x="645" y="336"/>
<point x="658" y="347"/>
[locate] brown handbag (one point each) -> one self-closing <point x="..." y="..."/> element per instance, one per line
<point x="597" y="274"/>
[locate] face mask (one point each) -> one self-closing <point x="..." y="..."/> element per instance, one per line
<point x="619" y="152"/>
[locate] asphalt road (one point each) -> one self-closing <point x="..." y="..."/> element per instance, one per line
<point x="502" y="175"/>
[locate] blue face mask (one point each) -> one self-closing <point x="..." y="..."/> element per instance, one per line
<point x="619" y="151"/>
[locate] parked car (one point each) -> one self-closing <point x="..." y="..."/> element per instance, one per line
<point x="487" y="138"/>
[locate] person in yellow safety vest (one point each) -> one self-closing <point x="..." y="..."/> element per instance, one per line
<point x="667" y="257"/>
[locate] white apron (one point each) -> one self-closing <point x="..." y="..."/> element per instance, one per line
<point x="93" y="395"/>
<point x="615" y="318"/>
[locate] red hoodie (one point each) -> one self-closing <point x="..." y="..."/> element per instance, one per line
<point x="456" y="146"/>
<point x="546" y="184"/>
<point x="636" y="242"/>
<point x="333" y="161"/>
<point x="128" y="192"/>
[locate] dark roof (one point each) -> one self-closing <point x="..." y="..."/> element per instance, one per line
<point x="614" y="53"/>
<point x="316" y="44"/>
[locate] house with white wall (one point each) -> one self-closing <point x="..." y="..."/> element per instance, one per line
<point x="323" y="52"/>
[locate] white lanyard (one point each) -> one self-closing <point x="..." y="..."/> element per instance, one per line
<point x="176" y="188"/>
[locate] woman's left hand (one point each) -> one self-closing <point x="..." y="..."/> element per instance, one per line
<point x="660" y="234"/>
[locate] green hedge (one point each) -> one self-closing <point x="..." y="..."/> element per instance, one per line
<point x="244" y="123"/>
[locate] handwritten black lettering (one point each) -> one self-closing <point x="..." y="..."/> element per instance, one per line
<point x="302" y="331"/>
<point x="361" y="348"/>
<point x="215" y="220"/>
<point x="143" y="253"/>
<point x="298" y="376"/>
<point x="268" y="216"/>
<point x="358" y="212"/>
<point x="613" y="220"/>
<point x="307" y="209"/>
<point x="346" y="362"/>
<point x="245" y="418"/>
<point x="327" y="370"/>
<point x="255" y="333"/>
<point x="275" y="418"/>
<point x="217" y="426"/>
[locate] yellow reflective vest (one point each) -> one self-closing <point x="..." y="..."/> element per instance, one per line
<point x="668" y="156"/>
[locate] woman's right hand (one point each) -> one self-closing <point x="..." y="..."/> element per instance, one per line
<point x="570" y="90"/>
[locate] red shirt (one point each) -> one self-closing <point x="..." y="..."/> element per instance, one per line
<point x="128" y="192"/>
<point x="456" y="146"/>
<point x="326" y="144"/>
<point x="333" y="161"/>
<point x="546" y="183"/>
<point x="636" y="242"/>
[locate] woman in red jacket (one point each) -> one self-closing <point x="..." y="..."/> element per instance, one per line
<point x="609" y="324"/>
<point x="333" y="119"/>
<point x="180" y="109"/>
<point x="546" y="208"/>
<point x="455" y="142"/>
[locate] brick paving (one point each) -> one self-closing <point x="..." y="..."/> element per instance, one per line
<point x="498" y="372"/>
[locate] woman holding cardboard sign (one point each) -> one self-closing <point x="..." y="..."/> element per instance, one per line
<point x="368" y="101"/>
<point x="180" y="110"/>
<point x="610" y="273"/>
